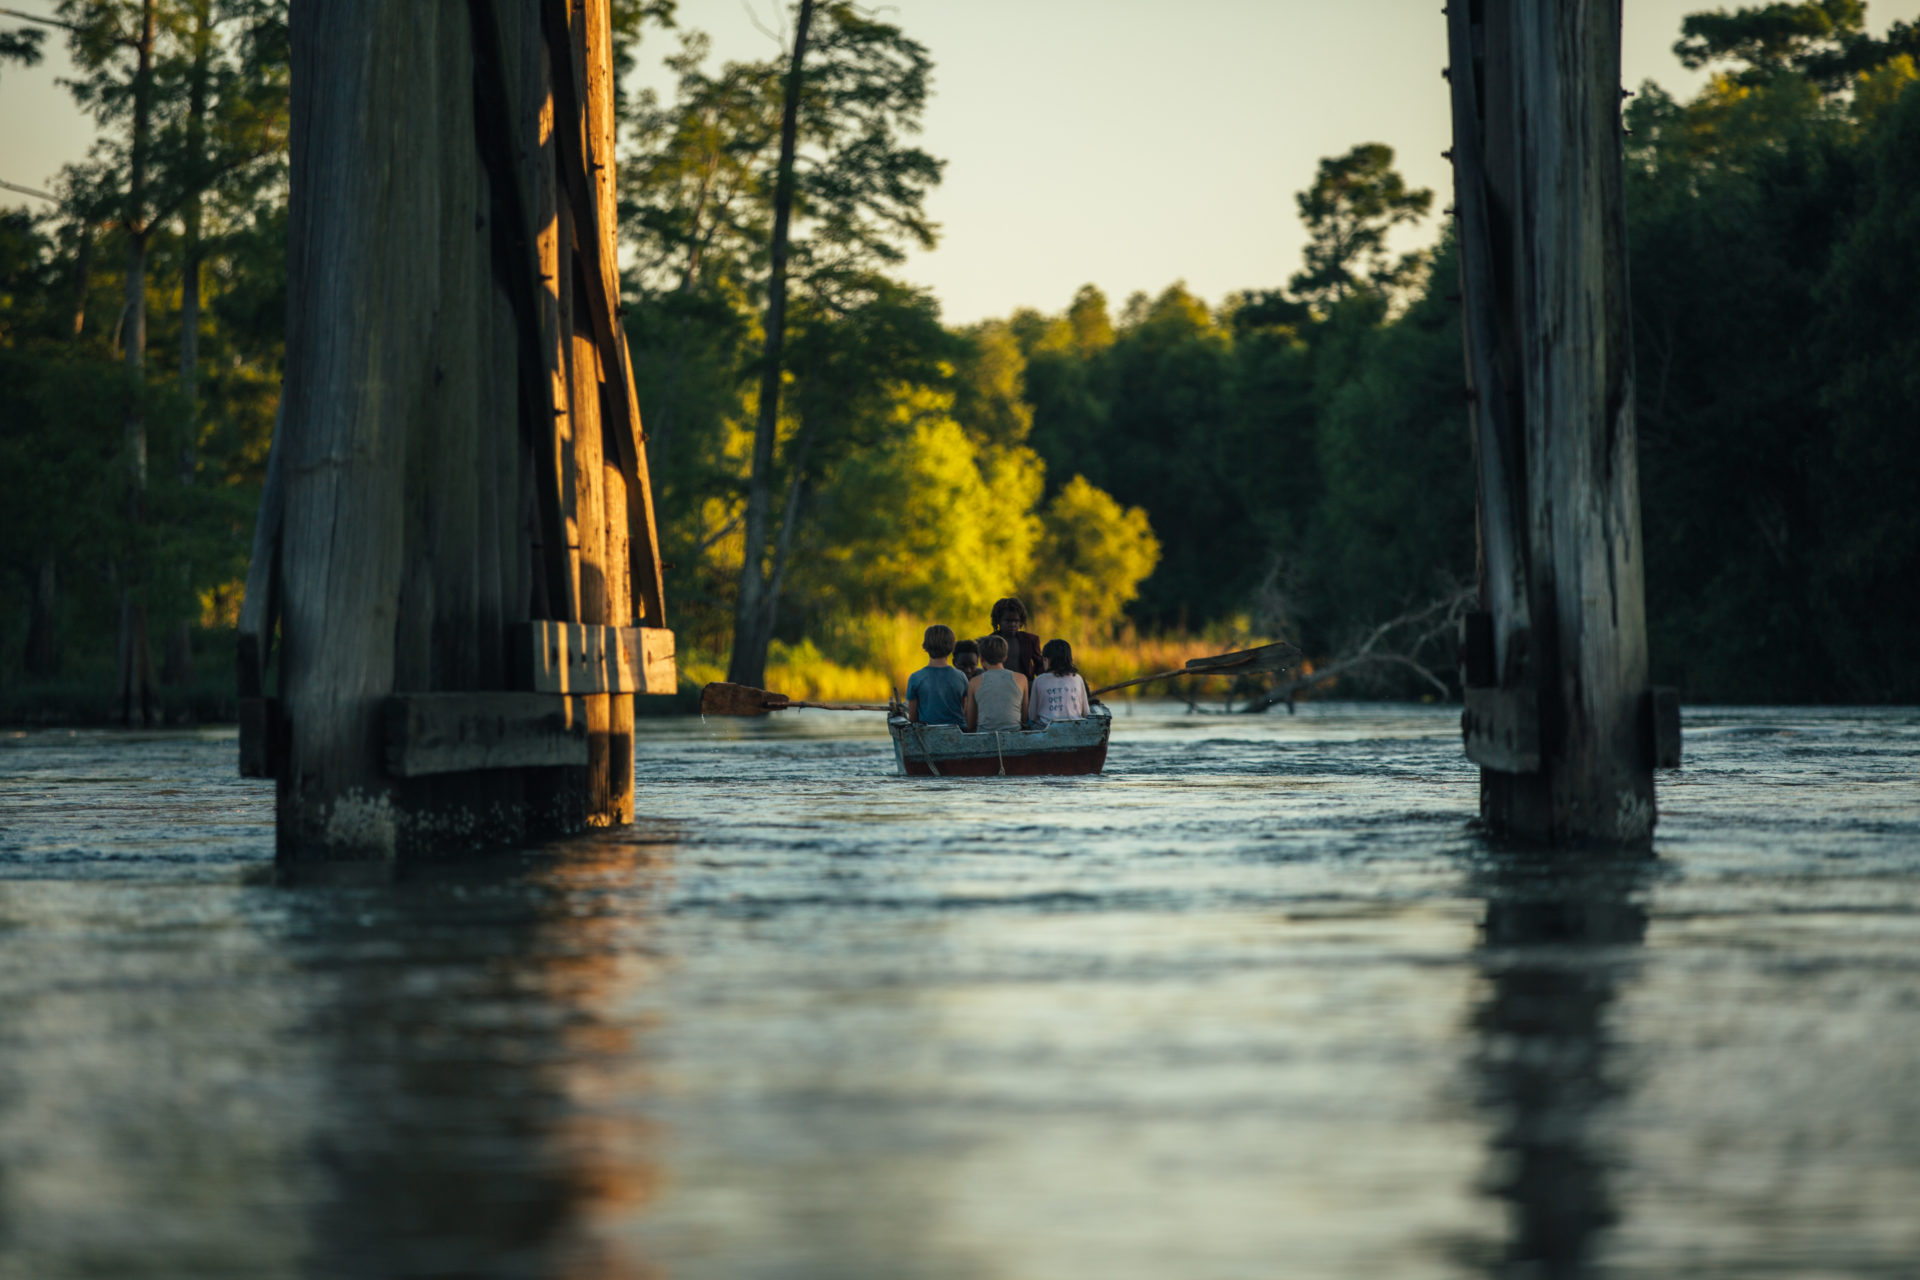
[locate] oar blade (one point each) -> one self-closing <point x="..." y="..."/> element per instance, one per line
<point x="1278" y="656"/>
<point x="722" y="699"/>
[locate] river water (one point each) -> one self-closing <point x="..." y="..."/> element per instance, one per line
<point x="1257" y="1002"/>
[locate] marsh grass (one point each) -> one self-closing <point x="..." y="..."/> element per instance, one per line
<point x="867" y="657"/>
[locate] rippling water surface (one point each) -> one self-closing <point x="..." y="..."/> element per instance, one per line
<point x="1257" y="1002"/>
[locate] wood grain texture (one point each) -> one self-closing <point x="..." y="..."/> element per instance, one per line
<point x="442" y="733"/>
<point x="405" y="550"/>
<point x="367" y="113"/>
<point x="587" y="522"/>
<point x="594" y="50"/>
<point x="460" y="452"/>
<point x="659" y="663"/>
<point x="1539" y="188"/>
<point x="620" y="788"/>
<point x="1484" y="213"/>
<point x="1501" y="729"/>
<point x="600" y="807"/>
<point x="583" y="117"/>
<point x="619" y="568"/>
<point x="263" y="738"/>
<point x="565" y="657"/>
<point x="556" y="326"/>
<point x="260" y="606"/>
<point x="640" y="660"/>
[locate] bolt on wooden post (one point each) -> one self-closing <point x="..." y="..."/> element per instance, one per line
<point x="457" y="552"/>
<point x="1558" y="713"/>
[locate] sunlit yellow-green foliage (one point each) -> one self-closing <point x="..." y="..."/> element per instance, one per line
<point x="933" y="523"/>
<point x="1737" y="120"/>
<point x="990" y="390"/>
<point x="887" y="649"/>
<point x="929" y="522"/>
<point x="1880" y="88"/>
<point x="1094" y="554"/>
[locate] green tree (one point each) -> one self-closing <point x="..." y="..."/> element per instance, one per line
<point x="1771" y="38"/>
<point x="1823" y="40"/>
<point x="629" y="20"/>
<point x="190" y="97"/>
<point x="1356" y="199"/>
<point x="695" y="202"/>
<point x="178" y="116"/>
<point x="21" y="45"/>
<point x="990" y="385"/>
<point x="1868" y="337"/>
<point x="854" y="86"/>
<point x="1093" y="556"/>
<point x="931" y="520"/>
<point x="695" y="193"/>
<point x="60" y="440"/>
<point x="1392" y="528"/>
<point x="1066" y="368"/>
<point x="1744" y="208"/>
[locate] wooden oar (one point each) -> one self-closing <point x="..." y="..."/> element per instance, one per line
<point x="1278" y="656"/>
<point x="721" y="699"/>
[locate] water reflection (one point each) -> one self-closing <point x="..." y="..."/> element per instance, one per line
<point x="1214" y="1014"/>
<point x="1560" y="937"/>
<point x="471" y="1123"/>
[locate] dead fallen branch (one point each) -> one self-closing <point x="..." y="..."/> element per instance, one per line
<point x="1412" y="633"/>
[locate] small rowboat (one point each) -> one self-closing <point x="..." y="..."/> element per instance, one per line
<point x="1065" y="747"/>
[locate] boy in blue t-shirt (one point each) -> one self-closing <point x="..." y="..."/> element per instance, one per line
<point x="935" y="691"/>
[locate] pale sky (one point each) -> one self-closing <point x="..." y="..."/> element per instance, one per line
<point x="1126" y="143"/>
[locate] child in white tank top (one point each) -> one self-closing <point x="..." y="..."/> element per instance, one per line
<point x="1060" y="693"/>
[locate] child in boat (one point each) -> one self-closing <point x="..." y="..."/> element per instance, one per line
<point x="997" y="696"/>
<point x="1059" y="693"/>
<point x="1023" y="647"/>
<point x="936" y="693"/>
<point x="966" y="658"/>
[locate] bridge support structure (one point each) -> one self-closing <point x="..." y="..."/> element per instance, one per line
<point x="457" y="548"/>
<point x="1558" y="712"/>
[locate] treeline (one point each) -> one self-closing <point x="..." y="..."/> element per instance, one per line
<point x="142" y="314"/>
<point x="1293" y="462"/>
<point x="1775" y="234"/>
<point x="1303" y="455"/>
<point x="835" y="467"/>
<point x="142" y="336"/>
<point x="1300" y="455"/>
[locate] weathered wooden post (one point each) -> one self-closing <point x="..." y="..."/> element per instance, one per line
<point x="458" y="536"/>
<point x="1558" y="713"/>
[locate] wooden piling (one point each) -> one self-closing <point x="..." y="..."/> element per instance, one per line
<point x="452" y="467"/>
<point x="588" y="529"/>
<point x="1558" y="712"/>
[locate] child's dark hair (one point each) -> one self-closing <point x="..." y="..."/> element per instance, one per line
<point x="1059" y="656"/>
<point x="1008" y="605"/>
<point x="967" y="646"/>
<point x="939" y="640"/>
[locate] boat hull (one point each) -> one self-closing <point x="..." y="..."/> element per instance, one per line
<point x="1065" y="748"/>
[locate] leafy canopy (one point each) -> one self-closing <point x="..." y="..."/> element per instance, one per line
<point x="1355" y="200"/>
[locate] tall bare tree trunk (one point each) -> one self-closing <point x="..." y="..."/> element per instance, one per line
<point x="178" y="666"/>
<point x="82" y="277"/>
<point x="136" y="663"/>
<point x="43" y="653"/>
<point x="753" y="616"/>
